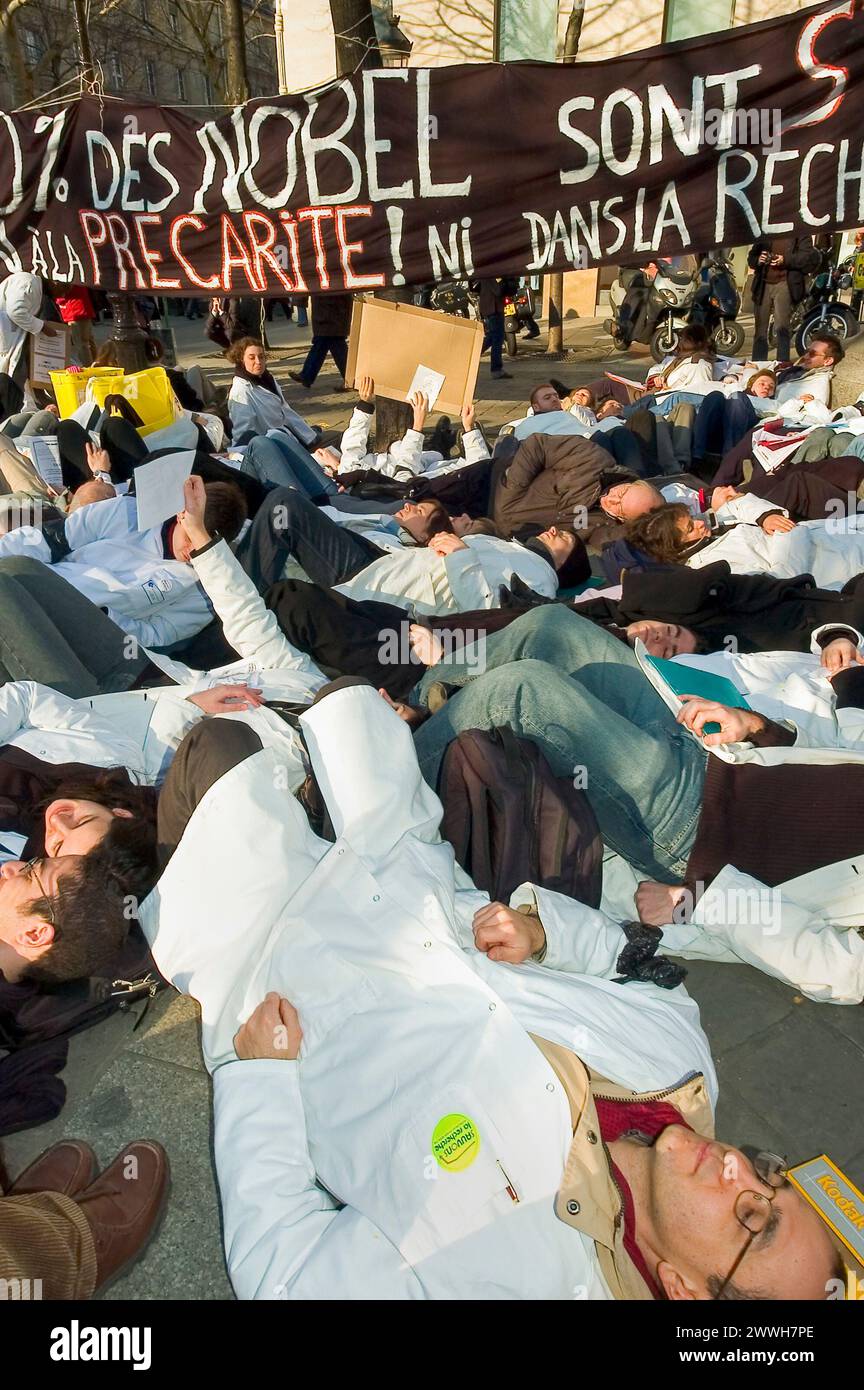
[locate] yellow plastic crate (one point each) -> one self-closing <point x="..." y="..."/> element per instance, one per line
<point x="149" y="392"/>
<point x="70" y="388"/>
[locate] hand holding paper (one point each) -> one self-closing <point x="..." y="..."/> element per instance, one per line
<point x="429" y="382"/>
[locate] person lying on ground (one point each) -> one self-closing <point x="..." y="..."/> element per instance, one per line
<point x="293" y="920"/>
<point x="440" y="573"/>
<point x="406" y="457"/>
<point x="255" y="401"/>
<point x="142" y="579"/>
<point x="831" y="551"/>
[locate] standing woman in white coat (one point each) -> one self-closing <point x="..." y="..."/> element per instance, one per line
<point x="255" y="401"/>
<point x="20" y="300"/>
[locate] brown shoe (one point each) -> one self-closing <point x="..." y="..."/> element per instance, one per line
<point x="300" y="379"/>
<point x="67" y="1167"/>
<point x="123" y="1207"/>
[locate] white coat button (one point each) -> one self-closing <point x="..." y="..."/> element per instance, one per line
<point x="427" y="944"/>
<point x="491" y="1008"/>
<point x="549" y="1086"/>
<point x="573" y="1208"/>
<point x="376" y="897"/>
<point x="341" y="851"/>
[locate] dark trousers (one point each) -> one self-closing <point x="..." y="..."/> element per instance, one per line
<point x="347" y="637"/>
<point x="289" y="524"/>
<point x="208" y="751"/>
<point x="775" y="302"/>
<point x="494" y="340"/>
<point x="52" y="634"/>
<point x="625" y="449"/>
<point x="119" y="437"/>
<point x="317" y="354"/>
<point x="812" y="491"/>
<point x="722" y="422"/>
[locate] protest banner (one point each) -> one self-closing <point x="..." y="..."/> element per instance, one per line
<point x="404" y="175"/>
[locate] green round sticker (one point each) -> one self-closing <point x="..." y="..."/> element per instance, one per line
<point x="455" y="1143"/>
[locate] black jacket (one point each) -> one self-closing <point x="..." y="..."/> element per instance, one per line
<point x="754" y="612"/>
<point x="802" y="259"/>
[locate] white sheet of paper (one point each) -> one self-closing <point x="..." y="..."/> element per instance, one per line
<point x="428" y="382"/>
<point x="159" y="488"/>
<point x="44" y="453"/>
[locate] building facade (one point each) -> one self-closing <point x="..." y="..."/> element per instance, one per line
<point x="171" y="51"/>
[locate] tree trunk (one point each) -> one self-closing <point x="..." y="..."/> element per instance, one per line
<point x="235" y="43"/>
<point x="354" y="32"/>
<point x="555" y="343"/>
<point x="20" y="75"/>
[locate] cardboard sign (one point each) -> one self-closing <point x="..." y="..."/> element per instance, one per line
<point x="48" y="355"/>
<point x="389" y="342"/>
<point x="836" y="1199"/>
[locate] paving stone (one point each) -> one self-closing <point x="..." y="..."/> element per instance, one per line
<point x="735" y="1002"/>
<point x="807" y="1081"/>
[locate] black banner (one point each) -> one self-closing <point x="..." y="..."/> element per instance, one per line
<point x="407" y="175"/>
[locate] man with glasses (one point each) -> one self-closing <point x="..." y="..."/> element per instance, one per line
<point x="497" y="1113"/>
<point x="60" y="918"/>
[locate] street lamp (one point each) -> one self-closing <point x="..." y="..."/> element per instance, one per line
<point x="393" y="45"/>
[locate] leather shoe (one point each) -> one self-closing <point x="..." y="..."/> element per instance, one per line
<point x="123" y="1207"/>
<point x="67" y="1167"/>
<point x="300" y="379"/>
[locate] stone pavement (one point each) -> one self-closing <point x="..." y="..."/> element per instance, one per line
<point x="791" y="1072"/>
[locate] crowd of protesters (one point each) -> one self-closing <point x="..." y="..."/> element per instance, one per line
<point x="228" y="742"/>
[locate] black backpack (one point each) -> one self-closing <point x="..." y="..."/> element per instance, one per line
<point x="510" y="820"/>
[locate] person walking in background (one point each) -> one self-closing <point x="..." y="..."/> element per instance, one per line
<point x="76" y="309"/>
<point x="492" y="314"/>
<point x="331" y="324"/>
<point x="779" y="265"/>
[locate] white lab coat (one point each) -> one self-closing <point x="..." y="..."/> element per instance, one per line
<point x="123" y="571"/>
<point x="832" y="551"/>
<point x="414" y="577"/>
<point x="404" y="459"/>
<point x="142" y="729"/>
<point x="403" y="1024"/>
<point x="20" y="299"/>
<point x="791" y="688"/>
<point x="749" y="508"/>
<point x="255" y="408"/>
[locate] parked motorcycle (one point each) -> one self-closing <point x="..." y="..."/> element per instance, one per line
<point x="518" y="313"/>
<point x="678" y="296"/>
<point x="449" y="297"/>
<point x="822" y="310"/>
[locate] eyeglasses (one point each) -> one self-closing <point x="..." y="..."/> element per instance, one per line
<point x="30" y="866"/>
<point x="753" y="1209"/>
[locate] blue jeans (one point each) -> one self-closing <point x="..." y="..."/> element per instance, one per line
<point x="722" y="422"/>
<point x="494" y="340"/>
<point x="578" y="693"/>
<point x="278" y="458"/>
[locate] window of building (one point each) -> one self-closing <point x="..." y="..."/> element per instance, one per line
<point x="181" y="84"/>
<point x="687" y="19"/>
<point x="114" y="69"/>
<point x="150" y="74"/>
<point x="174" y="21"/>
<point x="208" y="88"/>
